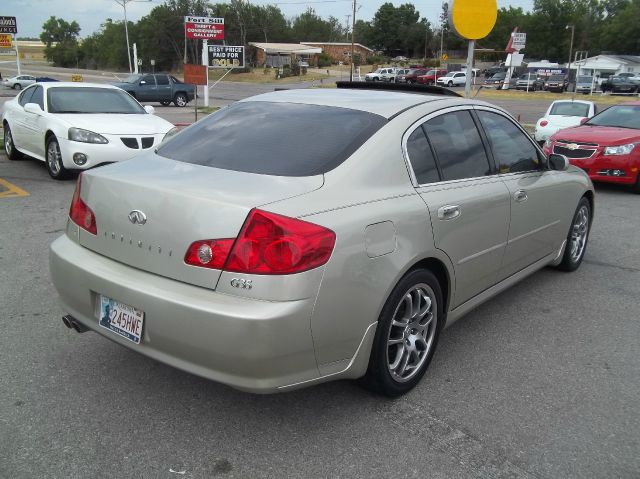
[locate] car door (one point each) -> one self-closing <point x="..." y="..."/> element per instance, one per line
<point x="147" y="90"/>
<point x="538" y="202"/>
<point x="459" y="79"/>
<point x="163" y="87"/>
<point x="35" y="123"/>
<point x="467" y="203"/>
<point x="18" y="121"/>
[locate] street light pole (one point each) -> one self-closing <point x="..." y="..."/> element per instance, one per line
<point x="123" y="4"/>
<point x="573" y="29"/>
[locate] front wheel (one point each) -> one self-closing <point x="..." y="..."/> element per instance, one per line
<point x="56" y="169"/>
<point x="407" y="334"/>
<point x="577" y="238"/>
<point x="9" y="145"/>
<point x="17" y="86"/>
<point x="450" y="84"/>
<point x="180" y="99"/>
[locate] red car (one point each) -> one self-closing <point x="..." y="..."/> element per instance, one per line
<point x="605" y="146"/>
<point x="430" y="77"/>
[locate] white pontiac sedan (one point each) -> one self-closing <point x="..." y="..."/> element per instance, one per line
<point x="75" y="126"/>
<point x="563" y="114"/>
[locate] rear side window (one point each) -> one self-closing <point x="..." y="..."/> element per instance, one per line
<point x="421" y="158"/>
<point x="458" y="146"/>
<point x="280" y="139"/>
<point x="512" y="150"/>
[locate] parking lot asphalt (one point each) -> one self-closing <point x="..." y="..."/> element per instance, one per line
<point x="542" y="381"/>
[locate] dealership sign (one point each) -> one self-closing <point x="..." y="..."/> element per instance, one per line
<point x="226" y="57"/>
<point x="8" y="25"/>
<point x="204" y="28"/>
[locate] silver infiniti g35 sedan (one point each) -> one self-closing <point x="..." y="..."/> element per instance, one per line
<point x="304" y="236"/>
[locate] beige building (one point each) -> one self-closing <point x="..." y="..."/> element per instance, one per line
<point x="278" y="54"/>
<point x="341" y="51"/>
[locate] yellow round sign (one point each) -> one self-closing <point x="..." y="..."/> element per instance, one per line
<point x="445" y="57"/>
<point x="473" y="19"/>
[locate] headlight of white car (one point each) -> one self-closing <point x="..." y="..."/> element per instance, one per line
<point x="170" y="133"/>
<point x="86" y="136"/>
<point x="619" y="150"/>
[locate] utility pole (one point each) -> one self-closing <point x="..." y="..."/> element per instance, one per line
<point x="573" y="29"/>
<point x="353" y="39"/>
<point x="123" y="4"/>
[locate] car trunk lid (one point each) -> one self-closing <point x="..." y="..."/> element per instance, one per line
<point x="171" y="205"/>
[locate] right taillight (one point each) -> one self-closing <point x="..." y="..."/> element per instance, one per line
<point x="269" y="244"/>
<point x="80" y="213"/>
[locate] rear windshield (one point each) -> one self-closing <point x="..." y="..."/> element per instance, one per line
<point x="570" y="109"/>
<point x="585" y="79"/>
<point x="280" y="139"/>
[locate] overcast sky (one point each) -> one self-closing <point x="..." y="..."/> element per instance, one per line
<point x="31" y="14"/>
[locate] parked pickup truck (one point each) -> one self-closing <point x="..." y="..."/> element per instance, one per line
<point x="158" y="87"/>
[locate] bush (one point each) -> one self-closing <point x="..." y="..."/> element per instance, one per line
<point x="324" y="60"/>
<point x="241" y="70"/>
<point x="375" y="59"/>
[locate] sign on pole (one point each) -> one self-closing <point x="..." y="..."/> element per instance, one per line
<point x="204" y="28"/>
<point x="6" y="41"/>
<point x="519" y="41"/>
<point x="195" y="74"/>
<point x="8" y="25"/>
<point x="226" y="57"/>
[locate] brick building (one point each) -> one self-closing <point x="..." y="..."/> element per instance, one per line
<point x="278" y="54"/>
<point x="341" y="52"/>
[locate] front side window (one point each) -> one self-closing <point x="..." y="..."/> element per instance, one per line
<point x="458" y="146"/>
<point x="149" y="80"/>
<point x="25" y="96"/>
<point x="38" y="97"/>
<point x="421" y="158"/>
<point x="512" y="150"/>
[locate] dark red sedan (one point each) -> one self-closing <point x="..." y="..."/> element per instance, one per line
<point x="605" y="146"/>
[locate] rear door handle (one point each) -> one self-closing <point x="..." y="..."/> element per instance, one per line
<point x="448" y="212"/>
<point x="520" y="196"/>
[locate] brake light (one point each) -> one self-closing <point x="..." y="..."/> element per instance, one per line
<point x="544" y="123"/>
<point x="80" y="213"/>
<point x="267" y="244"/>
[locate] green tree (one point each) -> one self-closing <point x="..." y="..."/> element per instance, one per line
<point x="61" y="41"/>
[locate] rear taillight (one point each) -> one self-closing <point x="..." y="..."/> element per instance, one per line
<point x="267" y="244"/>
<point x="80" y="213"/>
<point x="544" y="123"/>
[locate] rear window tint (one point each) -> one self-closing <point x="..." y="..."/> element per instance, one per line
<point x="280" y="139"/>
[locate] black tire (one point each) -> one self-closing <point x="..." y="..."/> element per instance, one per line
<point x="9" y="145"/>
<point x="376" y="79"/>
<point x="165" y="103"/>
<point x="577" y="237"/>
<point x="450" y="84"/>
<point x="53" y="160"/>
<point x="636" y="187"/>
<point x="17" y="86"/>
<point x="379" y="376"/>
<point x="180" y="99"/>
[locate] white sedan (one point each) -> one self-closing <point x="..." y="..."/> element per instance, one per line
<point x="452" y="79"/>
<point x="75" y="126"/>
<point x="563" y="114"/>
<point x="19" y="82"/>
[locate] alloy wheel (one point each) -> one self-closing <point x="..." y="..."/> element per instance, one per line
<point x="54" y="158"/>
<point x="579" y="232"/>
<point x="412" y="332"/>
<point x="8" y="141"/>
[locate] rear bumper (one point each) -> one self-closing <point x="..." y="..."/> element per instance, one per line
<point x="253" y="345"/>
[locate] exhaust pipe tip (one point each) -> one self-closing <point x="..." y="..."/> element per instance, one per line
<point x="66" y="320"/>
<point x="72" y="323"/>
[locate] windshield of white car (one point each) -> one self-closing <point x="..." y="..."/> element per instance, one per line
<point x="569" y="108"/>
<point x="91" y="100"/>
<point x="280" y="139"/>
<point x="133" y="78"/>
<point x="621" y="116"/>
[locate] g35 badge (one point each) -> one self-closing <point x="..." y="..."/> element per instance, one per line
<point x="242" y="283"/>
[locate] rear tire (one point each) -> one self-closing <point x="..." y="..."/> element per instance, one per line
<point x="407" y="335"/>
<point x="9" y="145"/>
<point x="577" y="237"/>
<point x="55" y="167"/>
<point x="180" y="100"/>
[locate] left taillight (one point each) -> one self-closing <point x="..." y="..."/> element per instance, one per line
<point x="80" y="213"/>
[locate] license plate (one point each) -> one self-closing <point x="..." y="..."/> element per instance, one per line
<point x="121" y="318"/>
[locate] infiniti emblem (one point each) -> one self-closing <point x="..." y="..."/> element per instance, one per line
<point x="137" y="217"/>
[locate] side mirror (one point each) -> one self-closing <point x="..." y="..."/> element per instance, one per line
<point x="149" y="109"/>
<point x="33" y="108"/>
<point x="583" y="120"/>
<point x="558" y="162"/>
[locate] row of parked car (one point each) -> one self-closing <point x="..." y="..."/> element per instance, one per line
<point x="622" y="83"/>
<point x="424" y="76"/>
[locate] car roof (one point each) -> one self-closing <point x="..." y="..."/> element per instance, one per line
<point x="384" y="103"/>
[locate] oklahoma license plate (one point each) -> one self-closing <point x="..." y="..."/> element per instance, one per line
<point x="121" y="318"/>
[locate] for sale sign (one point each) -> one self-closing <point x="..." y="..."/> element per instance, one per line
<point x="204" y="28"/>
<point x="8" y="25"/>
<point x="226" y="57"/>
<point x="5" y="41"/>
